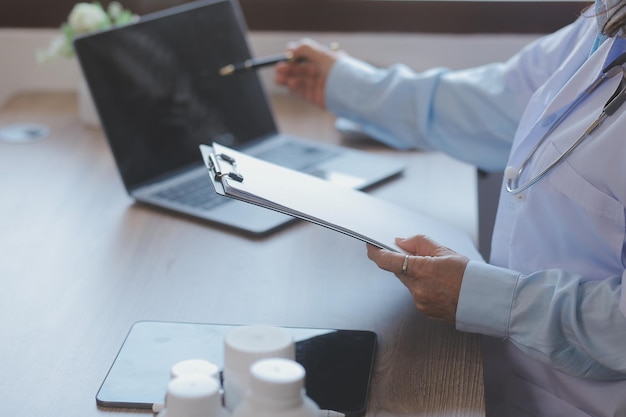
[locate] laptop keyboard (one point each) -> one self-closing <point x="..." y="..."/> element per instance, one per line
<point x="198" y="192"/>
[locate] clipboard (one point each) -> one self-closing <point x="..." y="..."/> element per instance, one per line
<point x="345" y="210"/>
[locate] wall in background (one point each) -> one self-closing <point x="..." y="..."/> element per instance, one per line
<point x="425" y="16"/>
<point x="20" y="70"/>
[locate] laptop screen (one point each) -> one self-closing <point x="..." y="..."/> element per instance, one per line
<point x="158" y="92"/>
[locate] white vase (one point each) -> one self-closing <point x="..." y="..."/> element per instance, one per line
<point x="86" y="108"/>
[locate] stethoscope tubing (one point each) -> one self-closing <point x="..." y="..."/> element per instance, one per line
<point x="612" y="70"/>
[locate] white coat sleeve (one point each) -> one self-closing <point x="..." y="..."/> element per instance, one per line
<point x="575" y="325"/>
<point x="470" y="114"/>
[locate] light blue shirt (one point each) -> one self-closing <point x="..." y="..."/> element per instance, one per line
<point x="551" y="297"/>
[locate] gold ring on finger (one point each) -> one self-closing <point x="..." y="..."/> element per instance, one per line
<point x="405" y="264"/>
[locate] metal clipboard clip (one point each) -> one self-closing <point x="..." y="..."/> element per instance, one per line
<point x="216" y="169"/>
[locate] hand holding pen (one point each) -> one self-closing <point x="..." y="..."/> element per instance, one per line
<point x="308" y="78"/>
<point x="303" y="69"/>
<point x="257" y="63"/>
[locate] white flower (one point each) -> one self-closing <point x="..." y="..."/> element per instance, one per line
<point x="87" y="17"/>
<point x="115" y="10"/>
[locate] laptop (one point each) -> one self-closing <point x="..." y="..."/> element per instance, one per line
<point x="159" y="95"/>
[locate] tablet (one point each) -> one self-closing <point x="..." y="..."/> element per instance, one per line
<point x="338" y="363"/>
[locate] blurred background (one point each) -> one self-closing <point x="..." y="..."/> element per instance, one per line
<point x="344" y="15"/>
<point x="418" y="33"/>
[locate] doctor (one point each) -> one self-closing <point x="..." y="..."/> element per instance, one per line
<point x="549" y="303"/>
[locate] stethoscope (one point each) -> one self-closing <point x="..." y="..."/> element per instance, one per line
<point x="511" y="175"/>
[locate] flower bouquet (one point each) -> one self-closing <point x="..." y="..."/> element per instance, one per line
<point x="85" y="18"/>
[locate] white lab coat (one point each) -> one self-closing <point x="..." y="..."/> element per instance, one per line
<point x="552" y="242"/>
<point x="584" y="234"/>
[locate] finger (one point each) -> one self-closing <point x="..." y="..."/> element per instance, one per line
<point x="386" y="259"/>
<point x="304" y="69"/>
<point x="422" y="245"/>
<point x="299" y="85"/>
<point x="289" y="70"/>
<point x="306" y="49"/>
<point x="281" y="73"/>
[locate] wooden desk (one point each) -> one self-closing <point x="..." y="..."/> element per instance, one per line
<point x="80" y="263"/>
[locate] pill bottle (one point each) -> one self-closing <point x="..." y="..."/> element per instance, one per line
<point x="190" y="366"/>
<point x="193" y="395"/>
<point x="243" y="346"/>
<point x="276" y="389"/>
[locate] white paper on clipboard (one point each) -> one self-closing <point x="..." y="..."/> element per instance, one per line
<point x="352" y="212"/>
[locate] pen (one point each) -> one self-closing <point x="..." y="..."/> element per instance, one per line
<point x="255" y="63"/>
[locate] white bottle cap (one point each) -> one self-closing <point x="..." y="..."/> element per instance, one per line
<point x="276" y="378"/>
<point x="245" y="345"/>
<point x="192" y="395"/>
<point x="195" y="366"/>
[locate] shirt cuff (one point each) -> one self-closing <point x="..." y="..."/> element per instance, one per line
<point x="350" y="86"/>
<point x="486" y="299"/>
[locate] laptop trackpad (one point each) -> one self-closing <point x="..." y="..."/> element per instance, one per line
<point x="356" y="171"/>
<point x="337" y="176"/>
